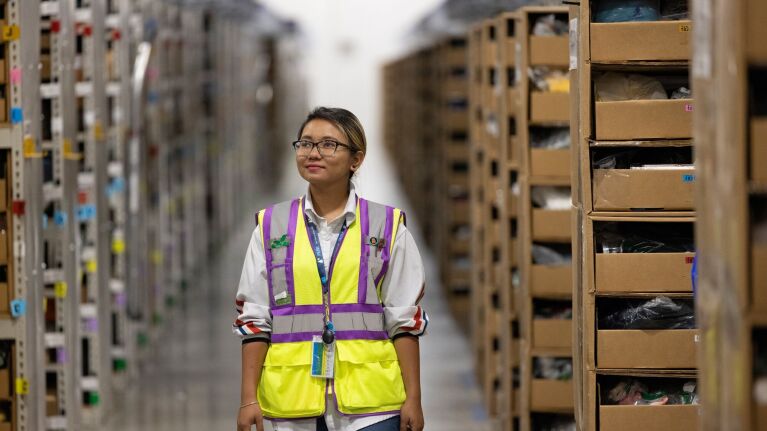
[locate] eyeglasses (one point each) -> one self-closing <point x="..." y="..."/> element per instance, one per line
<point x="326" y="148"/>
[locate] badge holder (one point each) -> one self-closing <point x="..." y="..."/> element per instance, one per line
<point x="323" y="358"/>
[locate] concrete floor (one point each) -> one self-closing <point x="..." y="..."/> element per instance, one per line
<point x="192" y="379"/>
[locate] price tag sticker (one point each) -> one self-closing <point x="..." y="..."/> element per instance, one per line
<point x="11" y="32"/>
<point x="18" y="307"/>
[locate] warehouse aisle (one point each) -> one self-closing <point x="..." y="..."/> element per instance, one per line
<point x="191" y="380"/>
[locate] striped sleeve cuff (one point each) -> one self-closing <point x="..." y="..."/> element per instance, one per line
<point x="411" y="320"/>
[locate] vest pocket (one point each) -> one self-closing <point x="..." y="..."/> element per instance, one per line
<point x="368" y="377"/>
<point x="287" y="389"/>
<point x="280" y="282"/>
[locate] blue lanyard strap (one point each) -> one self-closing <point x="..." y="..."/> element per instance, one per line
<point x="318" y="252"/>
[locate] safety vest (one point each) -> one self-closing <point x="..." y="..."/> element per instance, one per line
<point x="367" y="376"/>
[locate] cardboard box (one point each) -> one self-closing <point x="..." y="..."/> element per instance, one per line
<point x="5" y="382"/>
<point x="759" y="276"/>
<point x="660" y="40"/>
<point x="45" y="67"/>
<point x="758" y="145"/>
<point x="760" y="417"/>
<point x="5" y="299"/>
<point x="3" y="246"/>
<point x="549" y="107"/>
<point x="551" y="395"/>
<point x="550" y="163"/>
<point x="514" y="253"/>
<point x="551" y="281"/>
<point x="648" y="418"/>
<point x="3" y="72"/>
<point x="3" y="111"/>
<point x="512" y="101"/>
<point x="643" y="272"/>
<point x="3" y="194"/>
<point x="551" y="225"/>
<point x="660" y="349"/>
<point x="552" y="333"/>
<point x="51" y="404"/>
<point x="644" y="119"/>
<point x="512" y="204"/>
<point x="6" y="426"/>
<point x="756" y="31"/>
<point x="549" y="51"/>
<point x="628" y="189"/>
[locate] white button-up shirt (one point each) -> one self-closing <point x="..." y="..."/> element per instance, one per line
<point x="401" y="291"/>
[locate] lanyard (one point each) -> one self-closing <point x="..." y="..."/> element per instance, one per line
<point x="328" y="335"/>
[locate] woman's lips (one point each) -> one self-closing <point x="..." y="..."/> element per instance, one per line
<point x="314" y="168"/>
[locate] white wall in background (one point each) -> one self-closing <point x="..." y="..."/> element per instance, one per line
<point x="346" y="43"/>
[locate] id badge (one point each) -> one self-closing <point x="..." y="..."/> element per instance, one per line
<point x="323" y="356"/>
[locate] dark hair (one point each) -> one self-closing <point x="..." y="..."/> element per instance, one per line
<point x="347" y="122"/>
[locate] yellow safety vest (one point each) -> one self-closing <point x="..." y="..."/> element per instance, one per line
<point x="367" y="374"/>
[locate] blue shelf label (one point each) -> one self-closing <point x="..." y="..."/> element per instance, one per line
<point x="86" y="212"/>
<point x="60" y="218"/>
<point x="688" y="178"/>
<point x="18" y="307"/>
<point x="17" y="115"/>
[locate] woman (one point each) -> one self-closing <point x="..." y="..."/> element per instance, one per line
<point x="328" y="299"/>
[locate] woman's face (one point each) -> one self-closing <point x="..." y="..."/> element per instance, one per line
<point x="321" y="169"/>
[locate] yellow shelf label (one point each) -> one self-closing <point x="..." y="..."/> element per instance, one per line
<point x="22" y="386"/>
<point x="157" y="257"/>
<point x="90" y="266"/>
<point x="68" y="152"/>
<point x="60" y="289"/>
<point x="30" y="148"/>
<point x="11" y="32"/>
<point x="118" y="246"/>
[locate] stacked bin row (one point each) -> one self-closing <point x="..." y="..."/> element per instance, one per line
<point x="730" y="128"/>
<point x="545" y="217"/>
<point x="91" y="164"/>
<point x="635" y="218"/>
<point x="426" y="102"/>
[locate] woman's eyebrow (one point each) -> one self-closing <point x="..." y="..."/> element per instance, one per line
<point x="321" y="139"/>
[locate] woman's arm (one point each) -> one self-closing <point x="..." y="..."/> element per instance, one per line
<point x="253" y="356"/>
<point x="408" y="354"/>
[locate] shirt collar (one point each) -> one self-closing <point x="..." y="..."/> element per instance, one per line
<point x="350" y="210"/>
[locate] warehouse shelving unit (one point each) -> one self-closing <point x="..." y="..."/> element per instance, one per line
<point x="544" y="285"/>
<point x="728" y="70"/>
<point x="649" y="197"/>
<point x="508" y="205"/>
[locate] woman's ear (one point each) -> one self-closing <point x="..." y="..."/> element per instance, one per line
<point x="357" y="160"/>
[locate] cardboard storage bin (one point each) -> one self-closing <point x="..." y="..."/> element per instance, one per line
<point x="756" y="31"/>
<point x="5" y="299"/>
<point x="551" y="395"/>
<point x="644" y="119"/>
<point x="660" y="41"/>
<point x="643" y="272"/>
<point x="3" y="246"/>
<point x="3" y="195"/>
<point x="551" y="225"/>
<point x="759" y="276"/>
<point x="549" y="51"/>
<point x="551" y="281"/>
<point x="549" y="107"/>
<point x="6" y="426"/>
<point x="760" y="417"/>
<point x="659" y="349"/>
<point x="3" y="111"/>
<point x="628" y="189"/>
<point x="5" y="382"/>
<point x="552" y="333"/>
<point x="648" y="418"/>
<point x="758" y="146"/>
<point x="3" y="72"/>
<point x="549" y="163"/>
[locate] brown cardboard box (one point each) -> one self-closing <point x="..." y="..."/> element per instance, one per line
<point x="3" y="194"/>
<point x="549" y="107"/>
<point x="756" y="31"/>
<point x="660" y="40"/>
<point x="552" y="333"/>
<point x="512" y="204"/>
<point x="760" y="417"/>
<point x="45" y="67"/>
<point x="758" y="146"/>
<point x="512" y="101"/>
<point x="643" y="272"/>
<point x="648" y="418"/>
<point x="627" y="189"/>
<point x="514" y="253"/>
<point x="6" y="426"/>
<point x="51" y="404"/>
<point x="3" y="72"/>
<point x="5" y="382"/>
<point x="5" y="299"/>
<point x="456" y="119"/>
<point x="549" y="51"/>
<point x="551" y="281"/>
<point x="644" y="119"/>
<point x="759" y="276"/>
<point x="551" y="395"/>
<point x="3" y="111"/>
<point x="549" y="163"/>
<point x="551" y="225"/>
<point x="660" y="349"/>
<point x="3" y="246"/>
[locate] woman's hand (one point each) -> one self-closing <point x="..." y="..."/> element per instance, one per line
<point x="411" y="415"/>
<point x="250" y="415"/>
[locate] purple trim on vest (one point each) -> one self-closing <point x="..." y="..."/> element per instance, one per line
<point x="291" y="246"/>
<point x="268" y="253"/>
<point x="362" y="287"/>
<point x="299" y="309"/>
<point x="340" y="335"/>
<point x="385" y="254"/>
<point x="356" y="308"/>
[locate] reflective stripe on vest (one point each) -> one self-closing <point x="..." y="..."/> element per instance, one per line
<point x="292" y="273"/>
